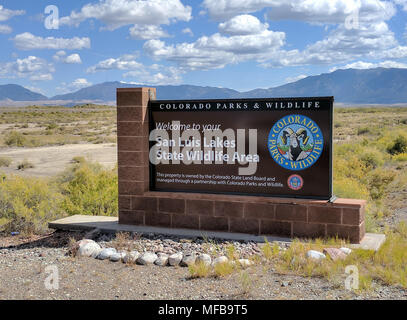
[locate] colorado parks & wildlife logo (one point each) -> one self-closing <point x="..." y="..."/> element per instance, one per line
<point x="295" y="142"/>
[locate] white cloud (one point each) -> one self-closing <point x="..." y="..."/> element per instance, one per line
<point x="294" y="79"/>
<point x="74" y="58"/>
<point x="149" y="76"/>
<point x="153" y="75"/>
<point x="369" y="65"/>
<point x="402" y="3"/>
<point x="375" y="41"/>
<point x="5" y="29"/>
<point x="125" y="62"/>
<point x="6" y="14"/>
<point x="79" y="84"/>
<point x="147" y="32"/>
<point x="75" y="85"/>
<point x="118" y="13"/>
<point x="28" y="41"/>
<point x="188" y="31"/>
<point x="216" y="51"/>
<point x="32" y="67"/>
<point x="243" y="25"/>
<point x="322" y="11"/>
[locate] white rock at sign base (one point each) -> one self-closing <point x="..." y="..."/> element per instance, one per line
<point x="162" y="259"/>
<point x="131" y="257"/>
<point x="204" y="258"/>
<point x="222" y="259"/>
<point x="117" y="256"/>
<point x="88" y="248"/>
<point x="147" y="258"/>
<point x="244" y="263"/>
<point x="313" y="254"/>
<point x="106" y="253"/>
<point x="188" y="260"/>
<point x="346" y="250"/>
<point x="175" y="259"/>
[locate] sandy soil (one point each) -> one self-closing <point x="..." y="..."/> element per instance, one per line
<point x="23" y="264"/>
<point x="49" y="161"/>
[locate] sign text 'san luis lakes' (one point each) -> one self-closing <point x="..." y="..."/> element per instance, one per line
<point x="274" y="147"/>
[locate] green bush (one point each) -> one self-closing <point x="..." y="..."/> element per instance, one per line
<point x="363" y="130"/>
<point x="15" y="139"/>
<point x="28" y="204"/>
<point x="372" y="159"/>
<point x="398" y="146"/>
<point x="90" y="189"/>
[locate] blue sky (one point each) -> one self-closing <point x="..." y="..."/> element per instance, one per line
<point x="238" y="44"/>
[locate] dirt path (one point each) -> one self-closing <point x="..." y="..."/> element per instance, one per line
<point x="49" y="161"/>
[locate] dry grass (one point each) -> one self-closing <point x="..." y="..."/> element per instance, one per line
<point x="199" y="270"/>
<point x="42" y="126"/>
<point x="122" y="241"/>
<point x="224" y="269"/>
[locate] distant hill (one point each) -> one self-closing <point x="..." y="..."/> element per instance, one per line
<point x="371" y="86"/>
<point x="107" y="92"/>
<point x="381" y="86"/>
<point x="18" y="93"/>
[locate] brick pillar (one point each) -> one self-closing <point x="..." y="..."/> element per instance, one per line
<point x="132" y="148"/>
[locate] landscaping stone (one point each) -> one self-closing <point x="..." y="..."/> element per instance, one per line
<point x="222" y="259"/>
<point x="204" y="258"/>
<point x="346" y="250"/>
<point x="187" y="260"/>
<point x="131" y="257"/>
<point x="335" y="253"/>
<point x="175" y="259"/>
<point x="162" y="259"/>
<point x="147" y="258"/>
<point x="106" y="253"/>
<point x="88" y="248"/>
<point x="313" y="254"/>
<point x="245" y="263"/>
<point x="117" y="256"/>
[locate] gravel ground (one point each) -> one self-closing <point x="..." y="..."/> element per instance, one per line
<point x="23" y="264"/>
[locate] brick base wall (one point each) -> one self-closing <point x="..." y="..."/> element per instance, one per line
<point x="212" y="212"/>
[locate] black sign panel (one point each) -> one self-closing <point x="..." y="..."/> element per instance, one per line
<point x="268" y="147"/>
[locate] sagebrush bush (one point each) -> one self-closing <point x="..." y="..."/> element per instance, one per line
<point x="398" y="146"/>
<point x="28" y="204"/>
<point x="90" y="189"/>
<point x="15" y="139"/>
<point x="5" y="161"/>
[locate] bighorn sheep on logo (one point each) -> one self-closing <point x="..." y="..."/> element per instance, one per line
<point x="295" y="153"/>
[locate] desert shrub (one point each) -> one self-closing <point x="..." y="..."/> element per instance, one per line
<point x="5" y="161"/>
<point x="363" y="130"/>
<point x="78" y="159"/>
<point x="25" y="164"/>
<point x="401" y="157"/>
<point x="345" y="187"/>
<point x="378" y="181"/>
<point x="15" y="139"/>
<point x="398" y="146"/>
<point x="90" y="189"/>
<point x="372" y="158"/>
<point x="28" y="204"/>
<point x="51" y="126"/>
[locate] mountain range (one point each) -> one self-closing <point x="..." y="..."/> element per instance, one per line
<point x="371" y="86"/>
